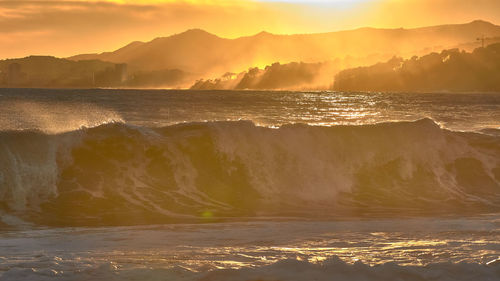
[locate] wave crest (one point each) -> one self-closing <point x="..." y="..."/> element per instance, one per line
<point x="122" y="174"/>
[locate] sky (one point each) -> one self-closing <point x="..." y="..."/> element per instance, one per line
<point x="68" y="27"/>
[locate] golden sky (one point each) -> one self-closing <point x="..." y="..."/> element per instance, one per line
<point x="63" y="28"/>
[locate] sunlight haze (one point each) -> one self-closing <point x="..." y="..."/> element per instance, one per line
<point x="64" y="28"/>
<point x="249" y="140"/>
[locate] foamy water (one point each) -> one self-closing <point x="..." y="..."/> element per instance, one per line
<point x="186" y="185"/>
<point x="409" y="249"/>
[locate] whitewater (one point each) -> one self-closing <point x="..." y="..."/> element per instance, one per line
<point x="105" y="184"/>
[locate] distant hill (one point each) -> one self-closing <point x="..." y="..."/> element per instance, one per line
<point x="205" y="54"/>
<point x="450" y="70"/>
<point x="51" y="72"/>
<point x="290" y="76"/>
<point x="471" y="46"/>
<point x="45" y="71"/>
<point x="263" y="61"/>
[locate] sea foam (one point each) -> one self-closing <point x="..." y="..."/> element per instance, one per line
<point x="117" y="174"/>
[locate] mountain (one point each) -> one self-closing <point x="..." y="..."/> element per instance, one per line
<point x="264" y="61"/>
<point x="197" y="51"/>
<point x="450" y="70"/>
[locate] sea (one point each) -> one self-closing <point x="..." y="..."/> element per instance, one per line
<point x="113" y="184"/>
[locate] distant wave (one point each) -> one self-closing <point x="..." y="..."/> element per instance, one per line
<point x="119" y="174"/>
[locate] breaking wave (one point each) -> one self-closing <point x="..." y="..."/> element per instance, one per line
<point x="119" y="174"/>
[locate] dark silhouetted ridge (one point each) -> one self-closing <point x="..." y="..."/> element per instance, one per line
<point x="198" y="51"/>
<point x="449" y="70"/>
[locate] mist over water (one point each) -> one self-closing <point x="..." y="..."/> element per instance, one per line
<point x="248" y="185"/>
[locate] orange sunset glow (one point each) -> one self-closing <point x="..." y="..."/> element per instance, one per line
<point x="250" y="140"/>
<point x="64" y="28"/>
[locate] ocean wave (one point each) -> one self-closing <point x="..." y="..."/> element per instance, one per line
<point x="119" y="174"/>
<point x="330" y="269"/>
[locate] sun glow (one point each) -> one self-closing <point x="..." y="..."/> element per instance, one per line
<point x="89" y="26"/>
<point x="321" y="2"/>
<point x="191" y="2"/>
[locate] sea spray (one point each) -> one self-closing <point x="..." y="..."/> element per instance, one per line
<point x="119" y="174"/>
